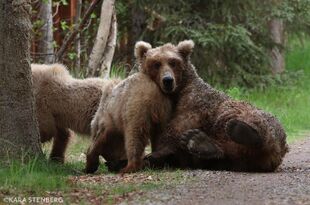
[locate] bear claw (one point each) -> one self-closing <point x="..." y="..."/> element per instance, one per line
<point x="197" y="143"/>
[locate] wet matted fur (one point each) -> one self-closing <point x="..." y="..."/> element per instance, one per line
<point x="211" y="130"/>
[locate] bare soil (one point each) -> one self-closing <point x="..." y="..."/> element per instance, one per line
<point x="290" y="184"/>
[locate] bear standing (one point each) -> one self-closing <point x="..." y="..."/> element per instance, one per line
<point x="211" y="130"/>
<point x="138" y="108"/>
<point x="63" y="103"/>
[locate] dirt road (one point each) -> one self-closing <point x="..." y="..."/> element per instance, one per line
<point x="289" y="185"/>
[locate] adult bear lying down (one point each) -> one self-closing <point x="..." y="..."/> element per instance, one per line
<point x="211" y="130"/>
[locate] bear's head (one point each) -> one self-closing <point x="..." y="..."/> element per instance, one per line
<point x="165" y="64"/>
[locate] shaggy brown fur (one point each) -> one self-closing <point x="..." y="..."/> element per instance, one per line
<point x="64" y="103"/>
<point x="211" y="130"/>
<point x="138" y="107"/>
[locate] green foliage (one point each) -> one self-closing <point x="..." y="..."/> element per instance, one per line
<point x="298" y="55"/>
<point x="297" y="15"/>
<point x="37" y="24"/>
<point x="229" y="50"/>
<point x="231" y="55"/>
<point x="118" y="71"/>
<point x="64" y="26"/>
<point x="232" y="37"/>
<point x="93" y="16"/>
<point x="235" y="92"/>
<point x="64" y="2"/>
<point x="72" y="55"/>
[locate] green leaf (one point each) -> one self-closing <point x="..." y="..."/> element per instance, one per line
<point x="93" y="15"/>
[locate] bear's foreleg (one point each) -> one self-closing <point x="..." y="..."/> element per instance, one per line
<point x="136" y="140"/>
<point x="92" y="156"/>
<point x="199" y="144"/>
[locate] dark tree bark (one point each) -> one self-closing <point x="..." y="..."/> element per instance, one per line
<point x="19" y="133"/>
<point x="45" y="45"/>
<point x="138" y="24"/>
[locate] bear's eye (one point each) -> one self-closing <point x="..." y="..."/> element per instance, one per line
<point x="173" y="63"/>
<point x="157" y="65"/>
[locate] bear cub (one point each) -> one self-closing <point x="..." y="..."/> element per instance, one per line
<point x="138" y="108"/>
<point x="65" y="104"/>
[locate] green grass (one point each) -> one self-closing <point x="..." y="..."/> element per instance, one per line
<point x="42" y="178"/>
<point x="289" y="102"/>
<point x="39" y="177"/>
<point x="35" y="175"/>
<point x="118" y="71"/>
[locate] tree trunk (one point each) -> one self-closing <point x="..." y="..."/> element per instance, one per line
<point x="138" y="23"/>
<point x="110" y="48"/>
<point x="276" y="29"/>
<point x="96" y="56"/>
<point x="19" y="133"/>
<point x="45" y="46"/>
<point x="78" y="40"/>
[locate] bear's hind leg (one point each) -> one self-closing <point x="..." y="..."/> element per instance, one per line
<point x="242" y="133"/>
<point x="60" y="145"/>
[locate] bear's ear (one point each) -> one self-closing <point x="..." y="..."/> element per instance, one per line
<point x="141" y="48"/>
<point x="185" y="48"/>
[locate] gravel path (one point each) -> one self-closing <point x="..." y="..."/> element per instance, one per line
<point x="289" y="185"/>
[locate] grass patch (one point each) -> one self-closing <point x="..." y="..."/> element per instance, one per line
<point x="35" y="176"/>
<point x="118" y="71"/>
<point x="39" y="177"/>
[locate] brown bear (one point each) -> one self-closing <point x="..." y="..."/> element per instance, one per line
<point x="139" y="107"/>
<point x="63" y="103"/>
<point x="211" y="130"/>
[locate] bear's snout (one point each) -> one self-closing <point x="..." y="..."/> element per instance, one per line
<point x="168" y="82"/>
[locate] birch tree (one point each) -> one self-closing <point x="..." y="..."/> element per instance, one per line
<point x="45" y="46"/>
<point x="110" y="49"/>
<point x="103" y="50"/>
<point x="78" y="40"/>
